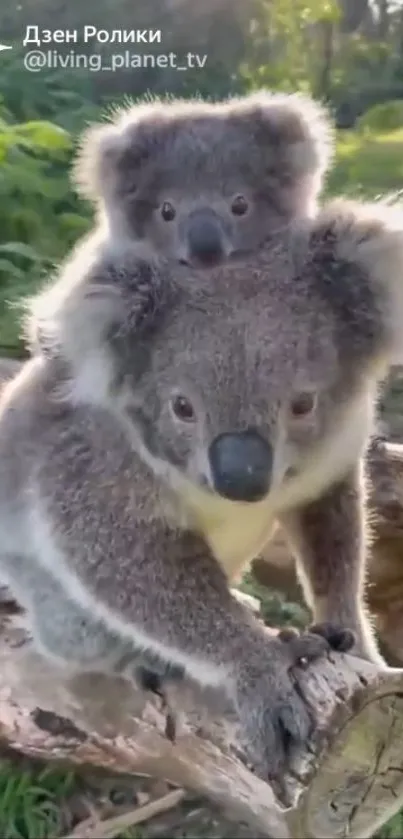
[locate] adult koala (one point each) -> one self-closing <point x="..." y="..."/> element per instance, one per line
<point x="172" y="417"/>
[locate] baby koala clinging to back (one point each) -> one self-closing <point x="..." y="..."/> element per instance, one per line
<point x="200" y="181"/>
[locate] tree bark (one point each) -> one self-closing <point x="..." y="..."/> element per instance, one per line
<point x="347" y="780"/>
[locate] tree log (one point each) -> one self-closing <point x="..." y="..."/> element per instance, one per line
<point x="348" y="780"/>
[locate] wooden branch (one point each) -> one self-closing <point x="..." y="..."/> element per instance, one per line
<point x="347" y="780"/>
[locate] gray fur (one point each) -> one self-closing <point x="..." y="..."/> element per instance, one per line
<point x="274" y="149"/>
<point x="132" y="531"/>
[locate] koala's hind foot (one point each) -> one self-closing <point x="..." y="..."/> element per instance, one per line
<point x="155" y="681"/>
<point x="275" y="728"/>
<point x="340" y="639"/>
<point x="327" y="537"/>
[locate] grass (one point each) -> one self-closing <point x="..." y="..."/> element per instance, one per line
<point x="47" y="803"/>
<point x="32" y="801"/>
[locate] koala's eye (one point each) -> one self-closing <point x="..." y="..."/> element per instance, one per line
<point x="168" y="211"/>
<point x="239" y="206"/>
<point x="183" y="409"/>
<point x="302" y="405"/>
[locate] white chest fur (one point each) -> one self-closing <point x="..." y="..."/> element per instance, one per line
<point x="237" y="532"/>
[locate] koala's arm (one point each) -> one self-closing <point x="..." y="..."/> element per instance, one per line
<point x="328" y="537"/>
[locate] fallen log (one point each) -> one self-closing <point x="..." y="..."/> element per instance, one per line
<point x="347" y="780"/>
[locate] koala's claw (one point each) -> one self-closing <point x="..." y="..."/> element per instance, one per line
<point x="304" y="647"/>
<point x="150" y="681"/>
<point x="154" y="683"/>
<point x="339" y="638"/>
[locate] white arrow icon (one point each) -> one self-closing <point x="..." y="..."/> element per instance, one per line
<point x="5" y="47"/>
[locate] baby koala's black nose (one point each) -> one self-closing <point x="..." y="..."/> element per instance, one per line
<point x="205" y="241"/>
<point x="241" y="465"/>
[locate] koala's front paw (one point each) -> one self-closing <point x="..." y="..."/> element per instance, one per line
<point x="274" y="717"/>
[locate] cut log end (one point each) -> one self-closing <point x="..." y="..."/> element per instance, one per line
<point x="346" y="780"/>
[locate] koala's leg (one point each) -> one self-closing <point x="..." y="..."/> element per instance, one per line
<point x="328" y="538"/>
<point x="69" y="635"/>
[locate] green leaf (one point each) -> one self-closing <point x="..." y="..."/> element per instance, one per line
<point x="7" y="267"/>
<point x="44" y="134"/>
<point x="20" y="249"/>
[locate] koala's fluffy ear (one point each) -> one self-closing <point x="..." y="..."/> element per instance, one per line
<point x="356" y="254"/>
<point x="105" y="299"/>
<point x="297" y="135"/>
<point x="96" y="160"/>
<point x="113" y="150"/>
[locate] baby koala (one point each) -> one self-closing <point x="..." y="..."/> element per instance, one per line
<point x="201" y="181"/>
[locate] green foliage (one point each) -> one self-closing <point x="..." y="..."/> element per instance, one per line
<point x="367" y="164"/>
<point x="394" y="828"/>
<point x="40" y="217"/>
<point x="30" y="801"/>
<point x="382" y="118"/>
<point x="64" y="97"/>
<point x="276" y="610"/>
<point x="280" y="52"/>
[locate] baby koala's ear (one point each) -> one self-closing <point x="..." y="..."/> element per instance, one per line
<point x="111" y="153"/>
<point x="355" y="252"/>
<point x="98" y="157"/>
<point x="296" y="136"/>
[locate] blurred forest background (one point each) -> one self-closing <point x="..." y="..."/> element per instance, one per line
<point x="349" y="53"/>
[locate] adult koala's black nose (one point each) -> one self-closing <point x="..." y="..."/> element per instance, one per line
<point x="241" y="465"/>
<point x="205" y="240"/>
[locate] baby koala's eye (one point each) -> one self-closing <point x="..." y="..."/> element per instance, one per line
<point x="239" y="205"/>
<point x="302" y="405"/>
<point x="168" y="211"/>
<point x="183" y="409"/>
